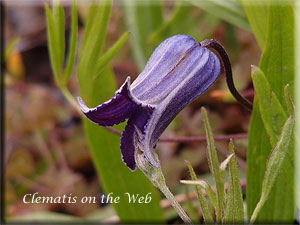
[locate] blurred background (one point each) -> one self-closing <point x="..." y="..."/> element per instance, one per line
<point x="44" y="138"/>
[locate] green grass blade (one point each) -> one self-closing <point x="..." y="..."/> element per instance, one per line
<point x="258" y="18"/>
<point x="73" y="44"/>
<point x="203" y="203"/>
<point x="229" y="11"/>
<point x="189" y="206"/>
<point x="93" y="9"/>
<point x="277" y="63"/>
<point x="272" y="113"/>
<point x="92" y="49"/>
<point x="135" y="39"/>
<point x="111" y="53"/>
<point x="142" y="20"/>
<point x="274" y="164"/>
<point x="156" y="12"/>
<point x="167" y="27"/>
<point x="234" y="212"/>
<point x="213" y="163"/>
<point x="59" y="21"/>
<point x="53" y="45"/>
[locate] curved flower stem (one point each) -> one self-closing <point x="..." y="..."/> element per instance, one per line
<point x="156" y="176"/>
<point x="215" y="45"/>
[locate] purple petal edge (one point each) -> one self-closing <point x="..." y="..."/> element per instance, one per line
<point x="137" y="120"/>
<point x="113" y="111"/>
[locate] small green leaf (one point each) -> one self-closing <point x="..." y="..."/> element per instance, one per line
<point x="225" y="163"/>
<point x="234" y="212"/>
<point x="209" y="191"/>
<point x="270" y="108"/>
<point x="274" y="164"/>
<point x="73" y="44"/>
<point x="213" y="163"/>
<point x="111" y="53"/>
<point x="203" y="203"/>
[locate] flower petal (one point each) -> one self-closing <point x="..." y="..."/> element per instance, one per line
<point x="169" y="64"/>
<point x="200" y="72"/>
<point x="137" y="121"/>
<point x="113" y="111"/>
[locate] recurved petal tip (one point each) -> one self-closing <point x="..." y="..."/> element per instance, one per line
<point x="111" y="112"/>
<point x="82" y="105"/>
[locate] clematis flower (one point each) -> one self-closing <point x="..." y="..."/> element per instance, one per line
<point x="178" y="71"/>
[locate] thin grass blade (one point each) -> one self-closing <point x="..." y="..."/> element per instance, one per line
<point x="257" y="15"/>
<point x="73" y="44"/>
<point x="59" y="21"/>
<point x="53" y="45"/>
<point x="203" y="203"/>
<point x="214" y="166"/>
<point x="234" y="212"/>
<point x="189" y="205"/>
<point x="111" y="53"/>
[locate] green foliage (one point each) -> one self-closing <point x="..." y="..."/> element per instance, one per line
<point x="142" y="19"/>
<point x="53" y="45"/>
<point x="275" y="163"/>
<point x="110" y="54"/>
<point x="203" y="203"/>
<point x="231" y="208"/>
<point x="271" y="111"/>
<point x="213" y="163"/>
<point x="258" y="18"/>
<point x="277" y="63"/>
<point x="234" y="212"/>
<point x="229" y="11"/>
<point x="73" y="44"/>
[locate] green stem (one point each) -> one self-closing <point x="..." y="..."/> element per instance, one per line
<point x="166" y="191"/>
<point x="157" y="178"/>
<point x="70" y="97"/>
